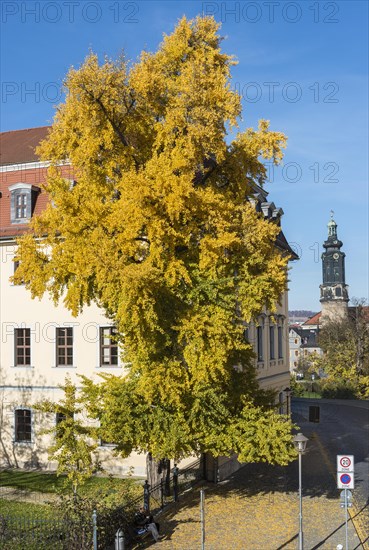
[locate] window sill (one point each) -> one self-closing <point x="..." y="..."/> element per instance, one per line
<point x="100" y="367"/>
<point x="22" y="367"/>
<point x="272" y="363"/>
<point x="260" y="364"/>
<point x="63" y="367"/>
<point x="20" y="221"/>
<point x="23" y="443"/>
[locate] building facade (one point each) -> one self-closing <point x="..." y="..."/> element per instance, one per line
<point x="304" y="341"/>
<point x="42" y="343"/>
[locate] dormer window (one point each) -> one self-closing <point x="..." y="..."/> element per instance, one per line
<point x="22" y="201"/>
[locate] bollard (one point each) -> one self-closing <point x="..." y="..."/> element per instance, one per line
<point x="119" y="540"/>
<point x="94" y="524"/>
<point x="202" y="518"/>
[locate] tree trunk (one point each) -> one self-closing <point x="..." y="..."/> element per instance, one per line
<point x="157" y="470"/>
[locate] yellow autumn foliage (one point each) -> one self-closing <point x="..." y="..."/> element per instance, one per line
<point x="159" y="231"/>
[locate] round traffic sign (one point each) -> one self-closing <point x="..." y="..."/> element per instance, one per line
<point x="345" y="462"/>
<point x="345" y="479"/>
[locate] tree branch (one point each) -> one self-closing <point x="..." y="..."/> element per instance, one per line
<point x="110" y="119"/>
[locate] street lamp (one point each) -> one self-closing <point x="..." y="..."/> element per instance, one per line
<point x="299" y="442"/>
<point x="288" y="392"/>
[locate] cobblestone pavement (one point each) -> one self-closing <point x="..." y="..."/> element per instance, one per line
<point x="243" y="514"/>
<point x="258" y="508"/>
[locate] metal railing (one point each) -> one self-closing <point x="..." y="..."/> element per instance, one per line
<point x="98" y="529"/>
<point x="33" y="533"/>
<point x="158" y="496"/>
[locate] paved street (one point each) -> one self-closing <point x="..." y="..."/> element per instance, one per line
<point x="257" y="508"/>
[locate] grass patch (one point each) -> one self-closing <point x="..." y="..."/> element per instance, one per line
<point x="13" y="508"/>
<point x="51" y="483"/>
<point x="311" y="395"/>
<point x="32" y="481"/>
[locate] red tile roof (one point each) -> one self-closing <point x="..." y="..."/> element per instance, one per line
<point x="314" y="320"/>
<point x="18" y="146"/>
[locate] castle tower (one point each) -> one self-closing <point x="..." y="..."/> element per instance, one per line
<point x="334" y="291"/>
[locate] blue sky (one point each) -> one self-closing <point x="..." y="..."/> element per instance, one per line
<point x="302" y="65"/>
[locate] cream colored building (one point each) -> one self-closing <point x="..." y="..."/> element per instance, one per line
<point x="41" y="343"/>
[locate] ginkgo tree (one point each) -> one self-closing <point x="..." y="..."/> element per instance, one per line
<point x="159" y="231"/>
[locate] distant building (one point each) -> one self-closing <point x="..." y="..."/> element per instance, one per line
<point x="304" y="341"/>
<point x="304" y="338"/>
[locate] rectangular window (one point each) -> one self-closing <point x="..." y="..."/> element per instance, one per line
<point x="23" y="426"/>
<point x="271" y="342"/>
<point x="259" y="332"/>
<point x="108" y="347"/>
<point x="280" y="343"/>
<point x="60" y="428"/>
<point x="21" y="205"/>
<point x="64" y="347"/>
<point x="22" y="337"/>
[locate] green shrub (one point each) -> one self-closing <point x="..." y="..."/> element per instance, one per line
<point x="297" y="388"/>
<point x="338" y="389"/>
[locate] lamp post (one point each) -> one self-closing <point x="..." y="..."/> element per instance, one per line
<point x="300" y="445"/>
<point x="288" y="392"/>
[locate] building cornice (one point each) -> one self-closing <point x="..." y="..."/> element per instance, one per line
<point x="28" y="166"/>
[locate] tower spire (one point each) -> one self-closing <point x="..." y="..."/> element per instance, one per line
<point x="333" y="291"/>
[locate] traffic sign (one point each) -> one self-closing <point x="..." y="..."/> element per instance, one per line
<point x="345" y="463"/>
<point x="345" y="480"/>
